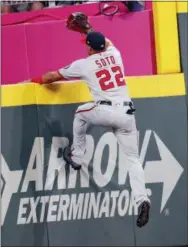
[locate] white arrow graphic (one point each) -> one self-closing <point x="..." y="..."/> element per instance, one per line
<point x="12" y="182"/>
<point x="166" y="171"/>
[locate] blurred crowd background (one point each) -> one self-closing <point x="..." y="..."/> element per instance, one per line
<point x="22" y="6"/>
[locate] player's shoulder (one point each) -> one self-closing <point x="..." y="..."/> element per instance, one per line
<point x="79" y="62"/>
<point x="112" y="48"/>
<point x="77" y="65"/>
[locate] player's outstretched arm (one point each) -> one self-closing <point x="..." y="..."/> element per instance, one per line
<point x="70" y="72"/>
<point x="48" y="78"/>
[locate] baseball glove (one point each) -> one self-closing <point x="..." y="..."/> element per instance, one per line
<point x="78" y="22"/>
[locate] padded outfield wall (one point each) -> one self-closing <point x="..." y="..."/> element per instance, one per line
<point x="45" y="203"/>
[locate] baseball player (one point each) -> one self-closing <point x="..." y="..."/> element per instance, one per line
<point x="103" y="72"/>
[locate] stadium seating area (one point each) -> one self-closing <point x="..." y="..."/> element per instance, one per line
<point x="21" y="6"/>
<point x="29" y="5"/>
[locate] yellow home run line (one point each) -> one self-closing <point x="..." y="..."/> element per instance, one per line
<point x="182" y="6"/>
<point x="69" y="93"/>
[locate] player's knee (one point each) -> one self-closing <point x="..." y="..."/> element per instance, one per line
<point x="79" y="123"/>
<point x="78" y="117"/>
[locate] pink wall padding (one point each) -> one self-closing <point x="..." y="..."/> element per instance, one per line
<point x="14" y="65"/>
<point x="32" y="49"/>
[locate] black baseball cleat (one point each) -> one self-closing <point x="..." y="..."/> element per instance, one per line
<point x="143" y="215"/>
<point x="67" y="157"/>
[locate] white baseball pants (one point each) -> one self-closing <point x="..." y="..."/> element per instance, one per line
<point x="124" y="128"/>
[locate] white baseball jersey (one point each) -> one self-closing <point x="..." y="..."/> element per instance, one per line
<point x="103" y="73"/>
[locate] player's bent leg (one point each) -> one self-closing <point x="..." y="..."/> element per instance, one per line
<point x="79" y="138"/>
<point x="128" y="143"/>
<point x="74" y="155"/>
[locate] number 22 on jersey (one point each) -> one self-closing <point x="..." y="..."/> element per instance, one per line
<point x="104" y="77"/>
